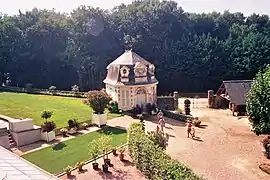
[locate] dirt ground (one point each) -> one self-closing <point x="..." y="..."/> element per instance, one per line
<point x="224" y="147"/>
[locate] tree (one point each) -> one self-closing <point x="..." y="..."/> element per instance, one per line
<point x="46" y="115"/>
<point x="258" y="102"/>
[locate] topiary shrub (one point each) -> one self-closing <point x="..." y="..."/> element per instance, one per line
<point x="187" y="106"/>
<point x="48" y="126"/>
<point x="151" y="160"/>
<point x="98" y="100"/>
<point x="73" y="123"/>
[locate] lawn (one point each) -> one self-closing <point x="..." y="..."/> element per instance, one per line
<point x="53" y="159"/>
<point x="21" y="105"/>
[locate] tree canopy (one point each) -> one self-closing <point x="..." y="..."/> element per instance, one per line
<point x="195" y="51"/>
<point x="258" y="102"/>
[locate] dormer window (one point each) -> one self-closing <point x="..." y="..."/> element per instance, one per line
<point x="124" y="71"/>
<point x="152" y="69"/>
<point x="140" y="70"/>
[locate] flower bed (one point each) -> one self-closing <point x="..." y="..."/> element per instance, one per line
<point x="152" y="161"/>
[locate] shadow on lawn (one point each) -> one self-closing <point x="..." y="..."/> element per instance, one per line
<point x="108" y="130"/>
<point x="59" y="146"/>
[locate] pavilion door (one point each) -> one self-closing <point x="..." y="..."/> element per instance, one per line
<point x="141" y="97"/>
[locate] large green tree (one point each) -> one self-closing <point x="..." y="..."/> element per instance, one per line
<point x="258" y="102"/>
<point x="195" y="51"/>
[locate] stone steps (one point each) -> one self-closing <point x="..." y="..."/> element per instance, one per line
<point x="12" y="143"/>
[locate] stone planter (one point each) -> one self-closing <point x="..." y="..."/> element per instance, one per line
<point x="99" y="119"/>
<point x="48" y="136"/>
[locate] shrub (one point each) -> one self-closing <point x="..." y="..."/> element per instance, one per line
<point x="151" y="160"/>
<point x="84" y="125"/>
<point x="73" y="123"/>
<point x="52" y="88"/>
<point x="98" y="100"/>
<point x="68" y="170"/>
<point x="113" y="107"/>
<point x="258" y="102"/>
<point x="180" y="117"/>
<point x="64" y="131"/>
<point x="95" y="150"/>
<point x="80" y="165"/>
<point x="266" y="145"/>
<point x="187" y="106"/>
<point x="149" y="108"/>
<point x="159" y="138"/>
<point x="105" y="145"/>
<point x="48" y="126"/>
<point x="75" y="88"/>
<point x="46" y="115"/>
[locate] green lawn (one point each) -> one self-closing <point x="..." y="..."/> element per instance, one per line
<point x="54" y="159"/>
<point x="21" y="105"/>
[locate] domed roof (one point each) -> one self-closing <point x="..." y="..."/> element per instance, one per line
<point x="130" y="69"/>
<point x="129" y="58"/>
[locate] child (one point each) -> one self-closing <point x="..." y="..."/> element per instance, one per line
<point x="162" y="123"/>
<point x="193" y="132"/>
<point x="189" y="126"/>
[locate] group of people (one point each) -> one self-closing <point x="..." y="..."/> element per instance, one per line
<point x="161" y="125"/>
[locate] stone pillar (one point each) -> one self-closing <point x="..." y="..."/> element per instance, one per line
<point x="211" y="99"/>
<point x="175" y="97"/>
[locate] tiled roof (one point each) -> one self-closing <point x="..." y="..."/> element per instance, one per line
<point x="237" y="90"/>
<point x="13" y="167"/>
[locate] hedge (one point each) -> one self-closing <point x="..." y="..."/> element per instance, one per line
<point x="152" y="161"/>
<point x="180" y="117"/>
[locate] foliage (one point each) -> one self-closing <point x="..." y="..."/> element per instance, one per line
<point x="48" y="126"/>
<point x="258" y="102"/>
<point x="105" y="145"/>
<point x="187" y="106"/>
<point x="266" y="145"/>
<point x="73" y="123"/>
<point x="52" y="88"/>
<point x="151" y="160"/>
<point x="76" y="149"/>
<point x="64" y="131"/>
<point x="159" y="138"/>
<point x="95" y="150"/>
<point x="98" y="100"/>
<point x="80" y="165"/>
<point x="45" y="47"/>
<point x="113" y="107"/>
<point x="75" y="88"/>
<point x="46" y="114"/>
<point x="68" y="170"/>
<point x="85" y="125"/>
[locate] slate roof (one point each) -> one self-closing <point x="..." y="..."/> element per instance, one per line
<point x="128" y="58"/>
<point x="13" y="167"/>
<point x="237" y="90"/>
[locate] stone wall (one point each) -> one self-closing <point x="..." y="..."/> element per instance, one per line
<point x="4" y="140"/>
<point x="168" y="102"/>
<point x="27" y="137"/>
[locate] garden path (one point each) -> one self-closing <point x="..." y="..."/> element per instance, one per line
<point x="225" y="149"/>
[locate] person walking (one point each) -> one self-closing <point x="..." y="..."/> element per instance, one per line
<point x="162" y="123"/>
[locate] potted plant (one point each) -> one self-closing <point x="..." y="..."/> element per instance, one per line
<point x="80" y="165"/>
<point x="197" y="122"/>
<point x="114" y="152"/>
<point x="48" y="127"/>
<point x="68" y="170"/>
<point x="122" y="155"/>
<point x="64" y="132"/>
<point x="84" y="126"/>
<point x="98" y="100"/>
<point x="94" y="152"/>
<point x="73" y="126"/>
<point x="105" y="143"/>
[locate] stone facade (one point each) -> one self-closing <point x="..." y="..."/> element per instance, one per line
<point x="168" y="102"/>
<point x="131" y="81"/>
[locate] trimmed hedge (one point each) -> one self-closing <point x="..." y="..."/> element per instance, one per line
<point x="152" y="161"/>
<point x="179" y="117"/>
